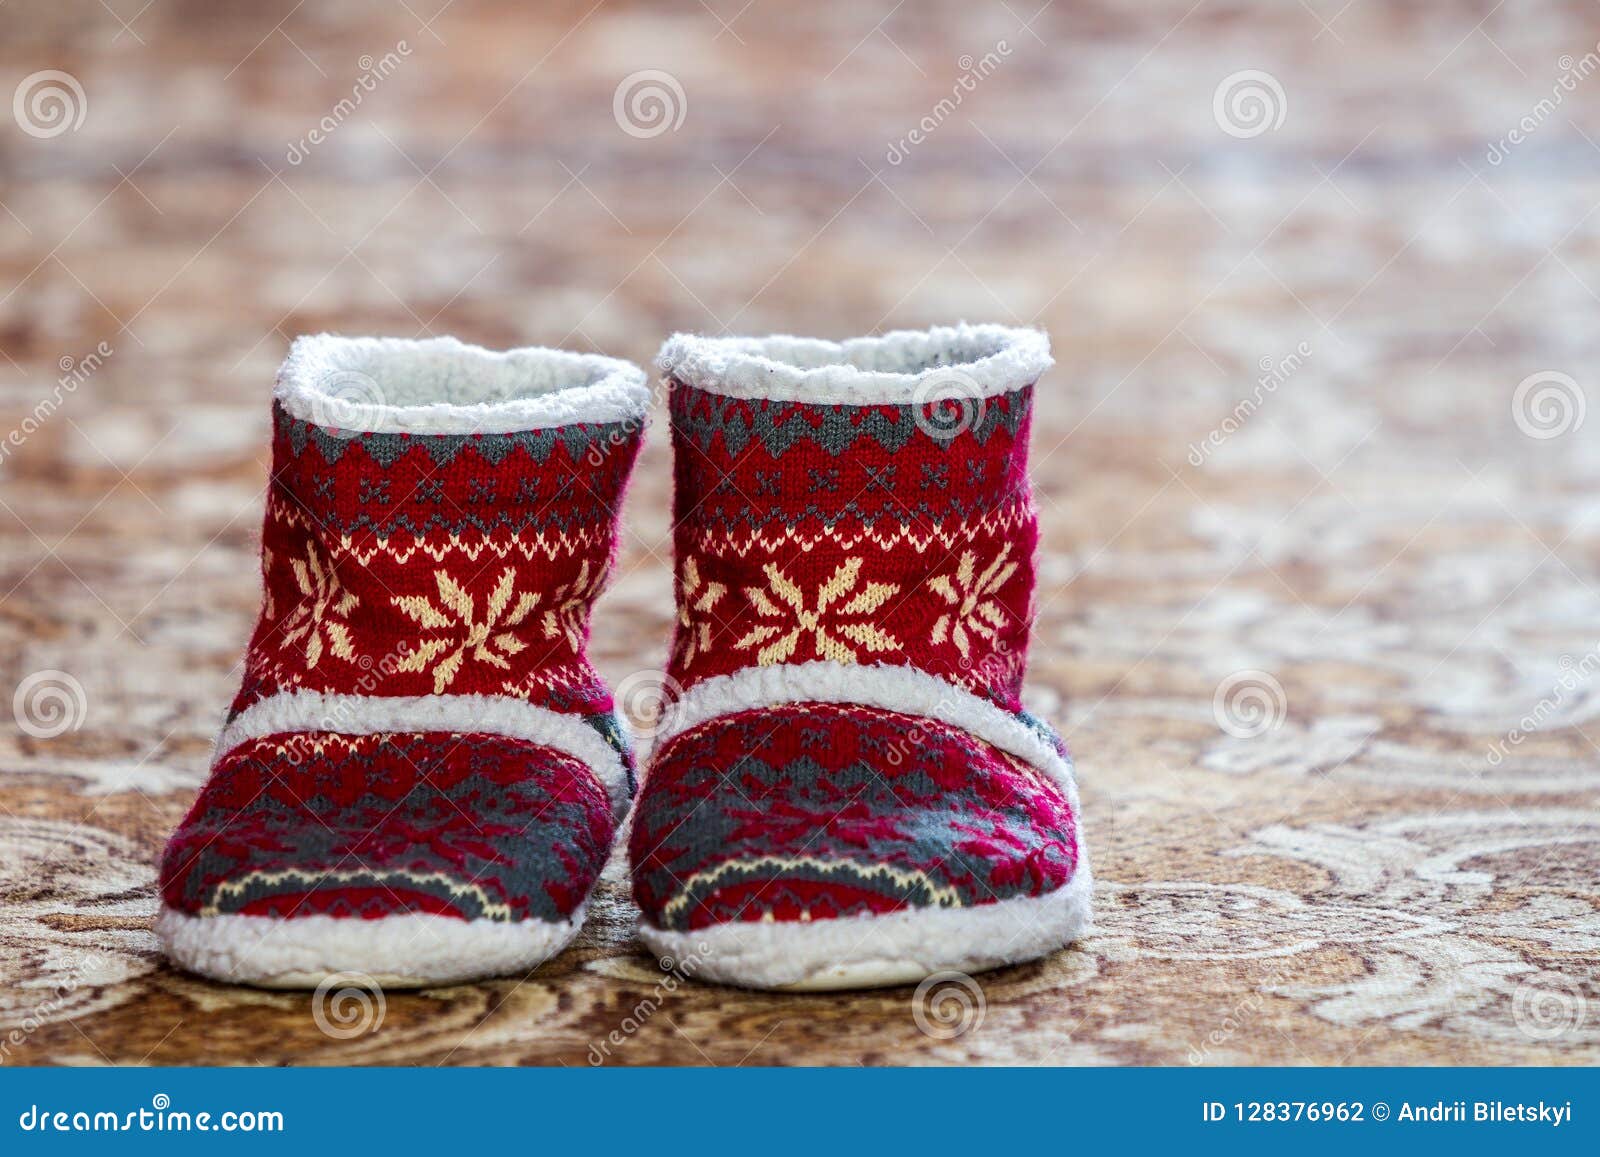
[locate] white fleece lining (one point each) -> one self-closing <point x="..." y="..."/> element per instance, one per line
<point x="291" y="711"/>
<point x="407" y="951"/>
<point x="444" y="386"/>
<point x="874" y="950"/>
<point x="901" y="367"/>
<point x="903" y="689"/>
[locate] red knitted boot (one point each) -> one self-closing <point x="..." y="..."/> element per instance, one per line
<point x="420" y="776"/>
<point x="846" y="791"/>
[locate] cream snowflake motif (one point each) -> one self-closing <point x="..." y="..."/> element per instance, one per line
<point x="570" y="616"/>
<point x="830" y="624"/>
<point x="315" y="616"/>
<point x="975" y="611"/>
<point x="694" y="609"/>
<point x="489" y="639"/>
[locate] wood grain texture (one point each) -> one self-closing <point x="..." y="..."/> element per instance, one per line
<point x="1400" y="869"/>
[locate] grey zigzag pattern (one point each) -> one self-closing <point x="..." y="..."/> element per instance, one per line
<point x="619" y="739"/>
<point x="385" y="449"/>
<point x="546" y="837"/>
<point x="699" y="417"/>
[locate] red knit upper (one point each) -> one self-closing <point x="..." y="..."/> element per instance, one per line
<point x="858" y="534"/>
<point x="874" y="535"/>
<point x="398" y="564"/>
<point x="402" y="564"/>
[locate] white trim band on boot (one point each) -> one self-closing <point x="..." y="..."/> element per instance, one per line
<point x="298" y="711"/>
<point x="875" y="951"/>
<point x="898" y="368"/>
<point x="444" y="386"/>
<point x="904" y="689"/>
<point x="413" y="950"/>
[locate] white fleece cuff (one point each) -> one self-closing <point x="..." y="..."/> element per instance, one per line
<point x="443" y="386"/>
<point x="898" y="368"/>
<point x="292" y="711"/>
<point x="888" y="688"/>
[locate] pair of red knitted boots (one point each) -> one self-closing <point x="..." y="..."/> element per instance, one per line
<point x="422" y="775"/>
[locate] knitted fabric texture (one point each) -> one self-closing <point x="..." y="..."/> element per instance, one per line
<point x="403" y="564"/>
<point x="814" y="811"/>
<point x="897" y="531"/>
<point x="457" y="570"/>
<point x="472" y="826"/>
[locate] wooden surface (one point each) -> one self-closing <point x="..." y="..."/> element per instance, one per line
<point x="1383" y="876"/>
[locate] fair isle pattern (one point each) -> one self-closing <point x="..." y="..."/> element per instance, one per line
<point x="816" y="811"/>
<point x="479" y="827"/>
<point x="856" y="534"/>
<point x="886" y="535"/>
<point x="399" y="564"/>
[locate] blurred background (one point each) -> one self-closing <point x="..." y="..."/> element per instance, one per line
<point x="1318" y="610"/>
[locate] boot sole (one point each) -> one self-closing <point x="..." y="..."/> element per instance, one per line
<point x="415" y="950"/>
<point x="878" y="951"/>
